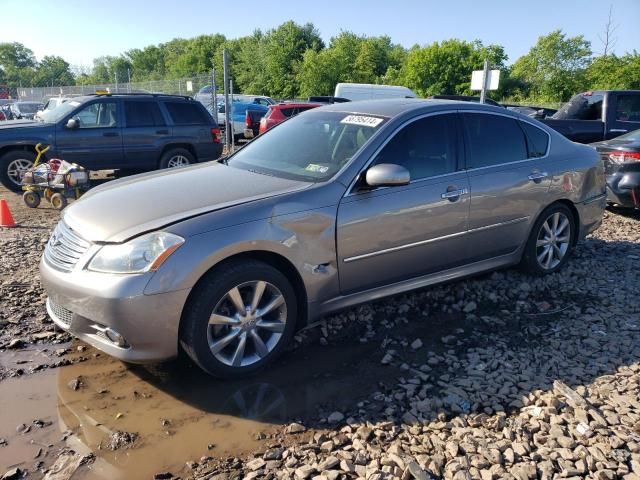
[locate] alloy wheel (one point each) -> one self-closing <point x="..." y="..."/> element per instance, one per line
<point x="247" y="323"/>
<point x="178" y="161"/>
<point x="553" y="240"/>
<point x="17" y="168"/>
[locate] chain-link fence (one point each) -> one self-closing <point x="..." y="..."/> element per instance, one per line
<point x="182" y="86"/>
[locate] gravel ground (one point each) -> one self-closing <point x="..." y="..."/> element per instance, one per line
<point x="502" y="376"/>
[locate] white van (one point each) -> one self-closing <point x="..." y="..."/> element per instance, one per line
<point x="369" y="91"/>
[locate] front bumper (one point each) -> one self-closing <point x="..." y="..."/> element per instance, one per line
<point x="95" y="306"/>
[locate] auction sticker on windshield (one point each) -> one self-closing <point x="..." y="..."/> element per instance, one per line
<point x="312" y="167"/>
<point x="362" y="120"/>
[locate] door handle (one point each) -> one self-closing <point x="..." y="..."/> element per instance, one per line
<point x="538" y="176"/>
<point x="454" y="194"/>
<point x="162" y="132"/>
<point x="110" y="134"/>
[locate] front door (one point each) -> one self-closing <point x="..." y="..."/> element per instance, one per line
<point x="509" y="175"/>
<point x="390" y="234"/>
<point x="96" y="143"/>
<point x="626" y="116"/>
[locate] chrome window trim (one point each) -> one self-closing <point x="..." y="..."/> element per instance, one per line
<point x="498" y="114"/>
<point x="350" y="191"/>
<point x="432" y="240"/>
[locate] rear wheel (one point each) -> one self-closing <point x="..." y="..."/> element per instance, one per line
<point x="551" y="241"/>
<point x="13" y="166"/>
<point x="31" y="199"/>
<point x="239" y="319"/>
<point x="58" y="201"/>
<point x="176" y="157"/>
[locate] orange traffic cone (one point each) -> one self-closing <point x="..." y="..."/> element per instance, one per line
<point x="6" y="219"/>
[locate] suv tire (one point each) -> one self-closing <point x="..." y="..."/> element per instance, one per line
<point x="177" y="157"/>
<point x="229" y="329"/>
<point x="12" y="164"/>
<point x="550" y="242"/>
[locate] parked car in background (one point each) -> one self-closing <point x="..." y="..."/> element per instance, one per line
<point x="24" y="110"/>
<point x="326" y="99"/>
<point x="598" y="115"/>
<point x="466" y="98"/>
<point x="204" y="96"/>
<point x="52" y="103"/>
<point x="341" y="205"/>
<point x="280" y="112"/>
<point x="113" y="131"/>
<point x="239" y="117"/>
<point x="369" y="91"/>
<point x="531" y="111"/>
<point x="621" y="157"/>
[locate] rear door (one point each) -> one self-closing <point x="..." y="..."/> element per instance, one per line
<point x="623" y="113"/>
<point x="509" y="175"/>
<point x="392" y="234"/>
<point x="97" y="141"/>
<point x="144" y="134"/>
<point x="191" y="125"/>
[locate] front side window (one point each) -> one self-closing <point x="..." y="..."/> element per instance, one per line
<point x="98" y="115"/>
<point x="426" y="147"/>
<point x="628" y="108"/>
<point x="311" y="147"/>
<point x="493" y="140"/>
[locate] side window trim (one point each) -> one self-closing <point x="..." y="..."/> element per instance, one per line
<point x="548" y="146"/>
<point x="466" y="140"/>
<point x="351" y="190"/>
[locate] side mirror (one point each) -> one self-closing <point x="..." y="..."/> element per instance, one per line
<point x="73" y="123"/>
<point x="387" y="175"/>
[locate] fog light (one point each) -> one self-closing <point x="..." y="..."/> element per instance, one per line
<point x="115" y="337"/>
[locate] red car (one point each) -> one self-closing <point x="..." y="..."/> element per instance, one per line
<point x="280" y="112"/>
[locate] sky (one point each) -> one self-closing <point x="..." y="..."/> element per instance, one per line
<point x="81" y="30"/>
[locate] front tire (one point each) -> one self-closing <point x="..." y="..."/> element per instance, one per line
<point x="13" y="166"/>
<point x="58" y="201"/>
<point x="551" y="241"/>
<point x="31" y="199"/>
<point x="239" y="319"/>
<point x="177" y="157"/>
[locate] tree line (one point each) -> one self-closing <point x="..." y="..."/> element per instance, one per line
<point x="292" y="60"/>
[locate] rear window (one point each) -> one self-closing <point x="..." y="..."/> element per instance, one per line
<point x="186" y="113"/>
<point x="537" y="140"/>
<point x="584" y="106"/>
<point x="287" y="112"/>
<point x="143" y="114"/>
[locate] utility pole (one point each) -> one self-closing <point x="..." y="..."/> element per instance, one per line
<point x="214" y="95"/>
<point x="227" y="106"/>
<point x="128" y="80"/>
<point x="116" y="74"/>
<point x="485" y="81"/>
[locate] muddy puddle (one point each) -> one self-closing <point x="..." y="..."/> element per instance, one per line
<point x="178" y="413"/>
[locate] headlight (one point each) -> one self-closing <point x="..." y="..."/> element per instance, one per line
<point x="142" y="254"/>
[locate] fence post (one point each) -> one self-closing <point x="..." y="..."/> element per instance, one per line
<point x="227" y="107"/>
<point x="485" y="81"/>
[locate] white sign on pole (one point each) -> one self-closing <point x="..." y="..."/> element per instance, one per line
<point x="477" y="78"/>
<point x="189" y="86"/>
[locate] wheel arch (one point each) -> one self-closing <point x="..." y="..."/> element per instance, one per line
<point x="576" y="216"/>
<point x="171" y="146"/>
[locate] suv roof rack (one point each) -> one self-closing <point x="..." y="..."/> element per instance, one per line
<point x="141" y="94"/>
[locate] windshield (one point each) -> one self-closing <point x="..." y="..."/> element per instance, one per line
<point x="584" y="106"/>
<point x="59" y="112"/>
<point x="28" y="107"/>
<point x="311" y="147"/>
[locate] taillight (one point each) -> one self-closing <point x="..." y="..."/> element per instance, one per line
<point x="247" y="119"/>
<point x="215" y="135"/>
<point x="624" y="157"/>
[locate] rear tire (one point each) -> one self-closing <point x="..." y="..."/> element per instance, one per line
<point x="12" y="168"/>
<point x="31" y="199"/>
<point x="58" y="201"/>
<point x="550" y="242"/>
<point x="229" y="329"/>
<point x="177" y="157"/>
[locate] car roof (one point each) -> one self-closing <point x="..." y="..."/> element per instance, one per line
<point x="393" y="107"/>
<point x="295" y="104"/>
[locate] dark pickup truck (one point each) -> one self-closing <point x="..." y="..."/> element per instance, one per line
<point x="133" y="132"/>
<point x="598" y="115"/>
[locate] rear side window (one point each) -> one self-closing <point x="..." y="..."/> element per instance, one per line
<point x="143" y="114"/>
<point x="628" y="108"/>
<point x="537" y="140"/>
<point x="287" y="112"/>
<point x="426" y="147"/>
<point x="186" y="113"/>
<point x="493" y="140"/>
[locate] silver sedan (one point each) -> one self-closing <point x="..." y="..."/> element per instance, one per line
<point x="340" y="205"/>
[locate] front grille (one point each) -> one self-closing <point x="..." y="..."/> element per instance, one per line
<point x="62" y="314"/>
<point x="64" y="248"/>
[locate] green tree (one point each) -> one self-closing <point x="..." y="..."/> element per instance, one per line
<point x="611" y="72"/>
<point x="445" y="67"/>
<point x="53" y="71"/>
<point x="554" y="69"/>
<point x="17" y="64"/>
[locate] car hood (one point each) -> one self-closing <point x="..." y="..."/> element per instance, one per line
<point x="21" y="124"/>
<point x="121" y="209"/>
